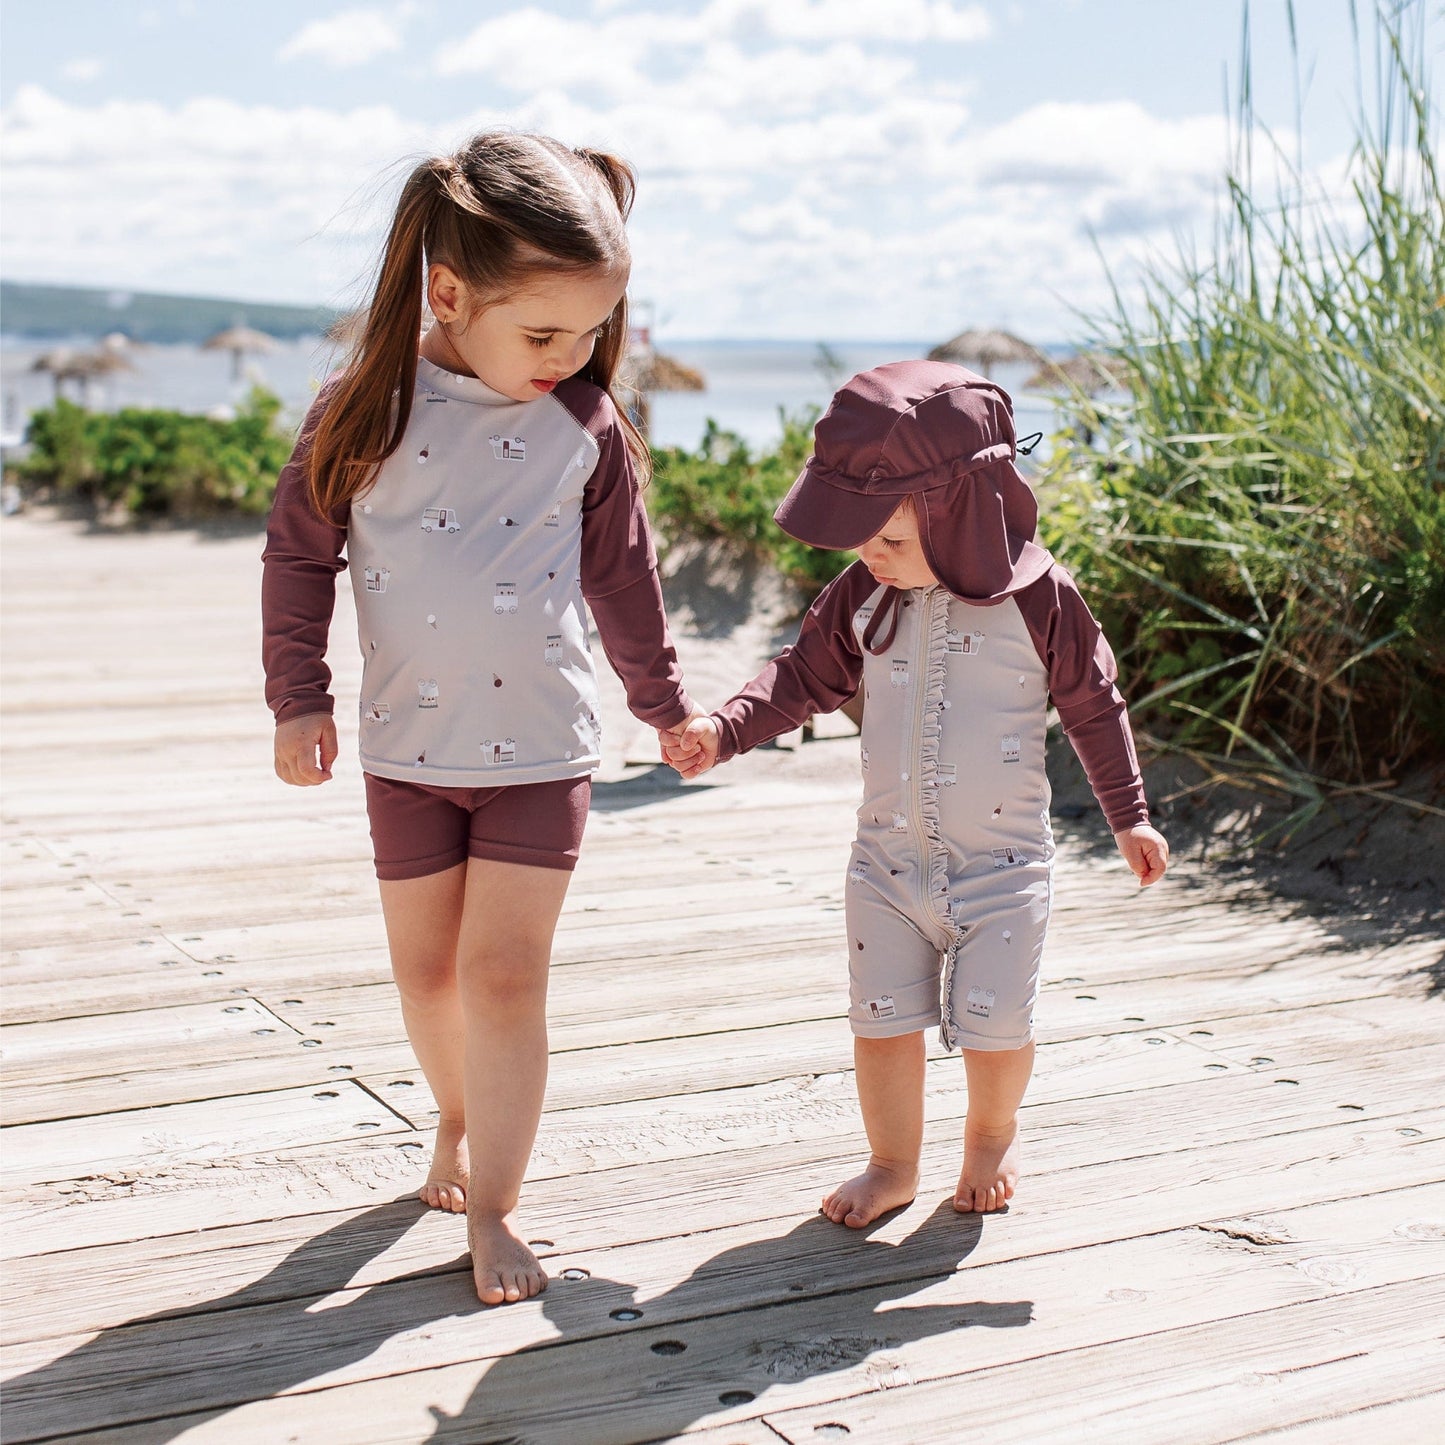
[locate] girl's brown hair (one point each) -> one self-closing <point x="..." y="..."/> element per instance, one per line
<point x="503" y="209"/>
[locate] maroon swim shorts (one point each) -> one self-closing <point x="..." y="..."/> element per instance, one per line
<point x="418" y="829"/>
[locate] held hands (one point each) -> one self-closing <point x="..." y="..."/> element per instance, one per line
<point x="1145" y="851"/>
<point x="692" y="746"/>
<point x="300" y="743"/>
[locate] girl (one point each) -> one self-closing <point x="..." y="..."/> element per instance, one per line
<point x="961" y="629"/>
<point x="478" y="491"/>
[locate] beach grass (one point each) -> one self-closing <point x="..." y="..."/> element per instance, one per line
<point x="1258" y="512"/>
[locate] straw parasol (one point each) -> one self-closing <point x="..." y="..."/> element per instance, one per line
<point x="645" y="369"/>
<point x="985" y="349"/>
<point x="651" y="370"/>
<point x="82" y="367"/>
<point x="238" y="340"/>
<point x="1085" y="371"/>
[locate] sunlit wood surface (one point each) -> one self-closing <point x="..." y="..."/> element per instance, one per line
<point x="1232" y="1222"/>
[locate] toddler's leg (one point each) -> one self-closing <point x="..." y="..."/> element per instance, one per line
<point x="503" y="956"/>
<point x="889" y="1073"/>
<point x="423" y="919"/>
<point x="996" y="1084"/>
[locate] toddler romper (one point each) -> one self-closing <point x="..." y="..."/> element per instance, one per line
<point x="949" y="884"/>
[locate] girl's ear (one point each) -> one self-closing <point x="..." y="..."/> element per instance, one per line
<point x="445" y="293"/>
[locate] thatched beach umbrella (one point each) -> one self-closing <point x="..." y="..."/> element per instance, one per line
<point x="1085" y="371"/>
<point x="239" y="340"/>
<point x="82" y="367"/>
<point x="645" y="369"/>
<point x="655" y="371"/>
<point x="985" y="349"/>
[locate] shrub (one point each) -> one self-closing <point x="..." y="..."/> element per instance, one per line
<point x="1260" y="519"/>
<point x="159" y="463"/>
<point x="721" y="490"/>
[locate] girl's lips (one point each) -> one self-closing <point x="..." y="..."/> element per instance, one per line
<point x="544" y="385"/>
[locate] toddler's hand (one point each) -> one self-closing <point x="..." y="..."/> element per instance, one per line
<point x="1145" y="851"/>
<point x="300" y="742"/>
<point x="692" y="748"/>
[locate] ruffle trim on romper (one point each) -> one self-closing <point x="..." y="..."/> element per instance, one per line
<point x="935" y="687"/>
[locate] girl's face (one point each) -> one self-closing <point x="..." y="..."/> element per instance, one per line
<point x="895" y="556"/>
<point x="523" y="346"/>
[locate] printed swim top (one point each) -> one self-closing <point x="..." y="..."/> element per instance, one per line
<point x="471" y="556"/>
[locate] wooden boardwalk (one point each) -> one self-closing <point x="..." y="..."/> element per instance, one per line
<point x="1231" y="1225"/>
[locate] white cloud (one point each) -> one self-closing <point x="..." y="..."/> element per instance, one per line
<point x="348" y="38"/>
<point x="83" y="69"/>
<point x="895" y="21"/>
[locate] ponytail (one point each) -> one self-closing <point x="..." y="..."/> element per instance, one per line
<point x="371" y="405"/>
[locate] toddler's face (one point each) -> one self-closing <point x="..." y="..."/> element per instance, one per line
<point x="895" y="556"/>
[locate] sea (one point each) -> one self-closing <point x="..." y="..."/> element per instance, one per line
<point x="751" y="385"/>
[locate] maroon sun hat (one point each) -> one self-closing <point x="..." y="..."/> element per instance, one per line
<point x="944" y="436"/>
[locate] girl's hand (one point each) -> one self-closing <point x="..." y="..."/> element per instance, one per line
<point x="692" y="748"/>
<point x="1145" y="851"/>
<point x="300" y="742"/>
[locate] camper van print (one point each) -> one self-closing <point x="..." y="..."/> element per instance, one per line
<point x="862" y="617"/>
<point x="900" y="822"/>
<point x="898" y="673"/>
<point x="554" y="516"/>
<point x="980" y="1001"/>
<point x="440" y="519"/>
<point x="1009" y="746"/>
<point x="502" y="752"/>
<point x="378" y="712"/>
<point x="1009" y="857"/>
<point x="552" y="651"/>
<point x="881" y="1008"/>
<point x="377" y="578"/>
<point x="508" y="449"/>
<point x="427" y="692"/>
<point x="505" y="598"/>
<point x="859" y="871"/>
<point x="947" y="775"/>
<point x="966" y="643"/>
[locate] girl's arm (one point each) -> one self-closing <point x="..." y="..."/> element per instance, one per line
<point x="298" y="590"/>
<point x="619" y="571"/>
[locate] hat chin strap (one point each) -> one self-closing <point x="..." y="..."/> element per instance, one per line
<point x="890" y="610"/>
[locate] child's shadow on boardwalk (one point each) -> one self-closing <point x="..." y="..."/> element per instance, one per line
<point x="771" y="1312"/>
<point x="768" y="1312"/>
<point x="204" y="1360"/>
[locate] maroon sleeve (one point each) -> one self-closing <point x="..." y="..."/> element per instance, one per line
<point x="619" y="568"/>
<point x="298" y="587"/>
<point x="818" y="673"/>
<point x="1082" y="683"/>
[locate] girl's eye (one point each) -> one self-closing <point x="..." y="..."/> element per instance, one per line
<point x="540" y="342"/>
<point x="892" y="543"/>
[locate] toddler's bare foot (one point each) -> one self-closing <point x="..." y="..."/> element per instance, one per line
<point x="503" y="1268"/>
<point x="446" y="1184"/>
<point x="990" y="1168"/>
<point x="879" y="1188"/>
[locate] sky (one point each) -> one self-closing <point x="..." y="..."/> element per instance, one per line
<point x="813" y="169"/>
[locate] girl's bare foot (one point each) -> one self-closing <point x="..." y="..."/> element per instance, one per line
<point x="503" y="1268"/>
<point x="446" y="1184"/>
<point x="990" y="1168"/>
<point x="880" y="1187"/>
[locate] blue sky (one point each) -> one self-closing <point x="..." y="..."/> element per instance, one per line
<point x="808" y="168"/>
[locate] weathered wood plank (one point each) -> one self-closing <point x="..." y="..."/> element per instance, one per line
<point x="982" y="1322"/>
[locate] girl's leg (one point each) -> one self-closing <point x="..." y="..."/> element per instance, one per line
<point x="996" y="1084"/>
<point x="423" y="920"/>
<point x="890" y="1075"/>
<point x="503" y="955"/>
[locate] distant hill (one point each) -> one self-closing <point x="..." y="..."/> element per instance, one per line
<point x="54" y="312"/>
